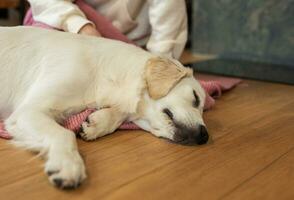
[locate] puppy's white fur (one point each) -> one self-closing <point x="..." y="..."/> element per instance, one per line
<point x="47" y="75"/>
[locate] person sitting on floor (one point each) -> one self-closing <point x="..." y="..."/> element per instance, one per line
<point x="159" y="25"/>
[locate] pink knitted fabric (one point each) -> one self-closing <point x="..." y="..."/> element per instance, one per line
<point x="3" y="133"/>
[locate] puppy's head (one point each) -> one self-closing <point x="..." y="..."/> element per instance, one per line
<point x="172" y="105"/>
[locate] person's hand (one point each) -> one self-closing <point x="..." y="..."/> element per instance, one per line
<point x="89" y="29"/>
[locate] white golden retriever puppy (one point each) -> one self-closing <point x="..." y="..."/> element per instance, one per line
<point x="48" y="75"/>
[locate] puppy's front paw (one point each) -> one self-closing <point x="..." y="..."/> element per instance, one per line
<point x="89" y="132"/>
<point x="97" y="125"/>
<point x="66" y="170"/>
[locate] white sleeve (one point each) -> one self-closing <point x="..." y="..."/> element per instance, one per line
<point x="168" y="20"/>
<point x="61" y="14"/>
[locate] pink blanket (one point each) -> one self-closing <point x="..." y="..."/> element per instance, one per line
<point x="213" y="86"/>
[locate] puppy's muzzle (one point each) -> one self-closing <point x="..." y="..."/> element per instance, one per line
<point x="191" y="136"/>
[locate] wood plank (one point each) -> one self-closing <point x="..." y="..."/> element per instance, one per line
<point x="275" y="182"/>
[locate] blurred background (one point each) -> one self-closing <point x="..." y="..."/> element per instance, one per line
<point x="250" y="39"/>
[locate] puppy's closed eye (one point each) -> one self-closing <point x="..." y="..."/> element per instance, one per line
<point x="168" y="113"/>
<point x="196" y="102"/>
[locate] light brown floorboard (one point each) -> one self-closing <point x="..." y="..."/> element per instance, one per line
<point x="274" y="182"/>
<point x="252" y="143"/>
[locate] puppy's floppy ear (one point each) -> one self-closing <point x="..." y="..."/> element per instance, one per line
<point x="162" y="75"/>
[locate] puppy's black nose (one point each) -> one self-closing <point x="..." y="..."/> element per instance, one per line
<point x="191" y="136"/>
<point x="202" y="136"/>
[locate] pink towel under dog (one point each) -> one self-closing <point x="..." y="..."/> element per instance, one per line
<point x="213" y="87"/>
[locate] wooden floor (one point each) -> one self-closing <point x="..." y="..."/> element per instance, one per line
<point x="250" y="156"/>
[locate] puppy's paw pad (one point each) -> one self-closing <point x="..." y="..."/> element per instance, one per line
<point x="58" y="182"/>
<point x="88" y="132"/>
<point x="87" y="120"/>
<point x="86" y="137"/>
<point x="65" y="184"/>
